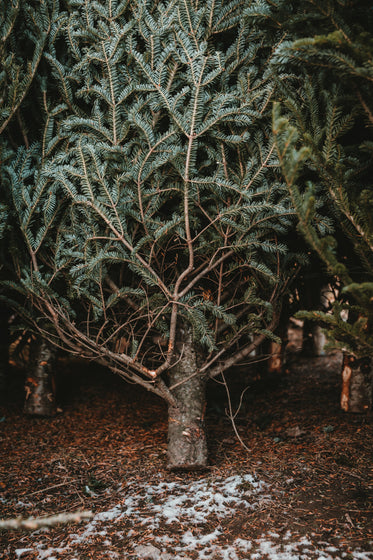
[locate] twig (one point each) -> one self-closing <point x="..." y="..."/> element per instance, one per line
<point x="22" y="128"/>
<point x="52" y="487"/>
<point x="32" y="523"/>
<point x="365" y="106"/>
<point x="232" y="416"/>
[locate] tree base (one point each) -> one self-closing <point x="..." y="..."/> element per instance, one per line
<point x="357" y="384"/>
<point x="40" y="387"/>
<point x="187" y="447"/>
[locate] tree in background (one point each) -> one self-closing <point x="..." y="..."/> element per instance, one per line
<point x="150" y="216"/>
<point x="323" y="128"/>
<point x="24" y="29"/>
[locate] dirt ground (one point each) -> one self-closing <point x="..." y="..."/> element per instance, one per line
<point x="315" y="460"/>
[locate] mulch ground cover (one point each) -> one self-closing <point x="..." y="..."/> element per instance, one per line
<point x="315" y="460"/>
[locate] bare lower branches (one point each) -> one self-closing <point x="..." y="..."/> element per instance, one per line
<point x="243" y="352"/>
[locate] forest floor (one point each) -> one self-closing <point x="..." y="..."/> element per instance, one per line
<point x="301" y="489"/>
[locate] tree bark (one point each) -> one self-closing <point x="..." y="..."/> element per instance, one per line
<point x="275" y="360"/>
<point x="357" y="383"/>
<point x="318" y="341"/>
<point x="40" y="384"/>
<point x="187" y="447"/>
<point x="314" y="337"/>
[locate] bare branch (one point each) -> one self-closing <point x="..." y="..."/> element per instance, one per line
<point x="32" y="523"/>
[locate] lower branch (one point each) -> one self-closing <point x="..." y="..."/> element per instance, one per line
<point x="243" y="353"/>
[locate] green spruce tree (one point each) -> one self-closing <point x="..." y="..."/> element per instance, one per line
<point x="150" y="215"/>
<point x="24" y="31"/>
<point x="323" y="129"/>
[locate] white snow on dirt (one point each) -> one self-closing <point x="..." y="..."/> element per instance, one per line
<point x="181" y="521"/>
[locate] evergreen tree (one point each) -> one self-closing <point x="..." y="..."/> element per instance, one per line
<point x="150" y="216"/>
<point x="323" y="131"/>
<point x="24" y="29"/>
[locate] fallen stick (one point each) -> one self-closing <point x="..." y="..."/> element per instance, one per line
<point x="32" y="523"/>
<point x="51" y="487"/>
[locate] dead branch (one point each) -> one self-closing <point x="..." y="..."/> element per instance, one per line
<point x="32" y="523"/>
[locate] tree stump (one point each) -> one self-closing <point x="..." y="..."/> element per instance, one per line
<point x="40" y="384"/>
<point x="357" y="382"/>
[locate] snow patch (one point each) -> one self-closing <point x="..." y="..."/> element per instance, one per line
<point x="19" y="551"/>
<point x="194" y="512"/>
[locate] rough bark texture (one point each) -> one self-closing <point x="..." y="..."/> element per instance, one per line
<point x="187" y="447"/>
<point x="40" y="387"/>
<point x="275" y="360"/>
<point x="357" y="383"/>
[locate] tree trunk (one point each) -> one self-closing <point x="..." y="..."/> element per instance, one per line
<point x="318" y="341"/>
<point x="275" y="360"/>
<point x="187" y="448"/>
<point x="40" y="385"/>
<point x="357" y="382"/>
<point x="314" y="337"/>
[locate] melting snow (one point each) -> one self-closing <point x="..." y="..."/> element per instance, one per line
<point x="195" y="508"/>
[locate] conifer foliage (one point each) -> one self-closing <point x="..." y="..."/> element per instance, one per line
<point x="149" y="214"/>
<point x="325" y="149"/>
<point x="24" y="29"/>
<point x="323" y="130"/>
